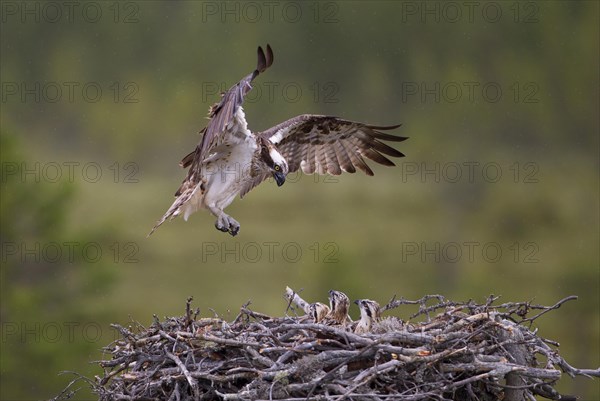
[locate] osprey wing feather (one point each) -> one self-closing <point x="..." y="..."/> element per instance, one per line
<point x="330" y="145"/>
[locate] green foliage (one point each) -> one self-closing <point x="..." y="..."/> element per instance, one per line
<point x="45" y="329"/>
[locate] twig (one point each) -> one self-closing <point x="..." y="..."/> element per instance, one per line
<point x="456" y="349"/>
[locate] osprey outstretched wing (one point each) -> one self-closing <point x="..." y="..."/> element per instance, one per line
<point x="329" y="145"/>
<point x="222" y="114"/>
<point x="231" y="160"/>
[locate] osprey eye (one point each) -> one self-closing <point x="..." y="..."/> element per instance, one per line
<point x="277" y="168"/>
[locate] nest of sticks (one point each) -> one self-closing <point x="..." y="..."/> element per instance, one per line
<point x="447" y="351"/>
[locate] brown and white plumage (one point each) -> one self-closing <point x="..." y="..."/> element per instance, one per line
<point x="232" y="160"/>
<point x="339" y="304"/>
<point x="329" y="145"/>
<point x="318" y="311"/>
<point x="370" y="312"/>
<point x="226" y="142"/>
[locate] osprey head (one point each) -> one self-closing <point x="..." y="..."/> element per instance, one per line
<point x="338" y="303"/>
<point x="338" y="300"/>
<point x="369" y="310"/>
<point x="318" y="311"/>
<point x="274" y="161"/>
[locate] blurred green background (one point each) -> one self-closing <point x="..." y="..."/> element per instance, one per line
<point x="498" y="194"/>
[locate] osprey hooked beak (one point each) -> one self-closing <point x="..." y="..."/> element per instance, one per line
<point x="279" y="177"/>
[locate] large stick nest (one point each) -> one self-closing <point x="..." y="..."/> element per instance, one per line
<point x="448" y="351"/>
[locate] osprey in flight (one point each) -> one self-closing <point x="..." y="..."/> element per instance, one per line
<point x="230" y="159"/>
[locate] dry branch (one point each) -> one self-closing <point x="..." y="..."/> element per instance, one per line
<point x="459" y="351"/>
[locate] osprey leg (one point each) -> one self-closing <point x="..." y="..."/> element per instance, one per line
<point x="225" y="222"/>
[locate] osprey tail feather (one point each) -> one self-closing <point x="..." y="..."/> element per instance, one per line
<point x="181" y="204"/>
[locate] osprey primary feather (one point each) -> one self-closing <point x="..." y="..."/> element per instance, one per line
<point x="231" y="160"/>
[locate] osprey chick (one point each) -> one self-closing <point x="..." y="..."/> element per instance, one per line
<point x="369" y="314"/>
<point x="230" y="159"/>
<point x="339" y="304"/>
<point x="318" y="311"/>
